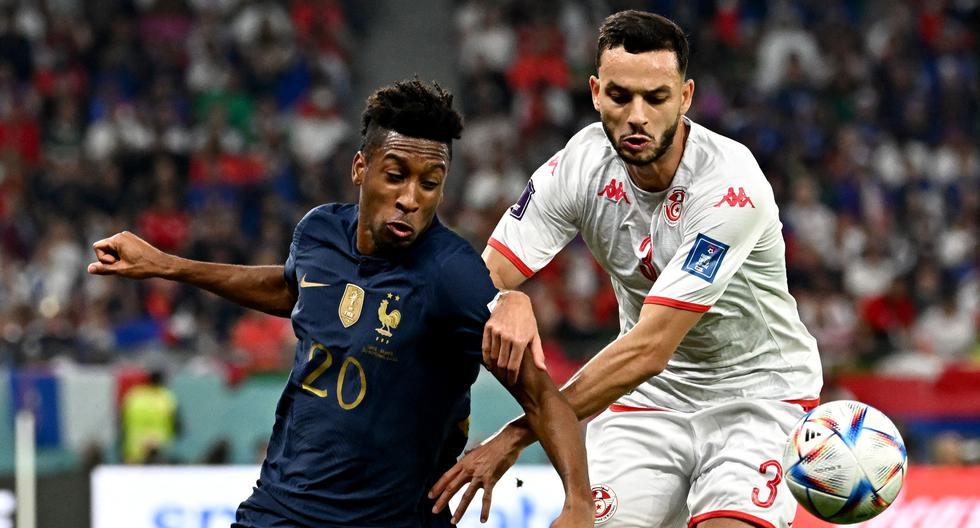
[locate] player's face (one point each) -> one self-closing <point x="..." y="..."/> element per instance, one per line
<point x="640" y="98"/>
<point x="401" y="186"/>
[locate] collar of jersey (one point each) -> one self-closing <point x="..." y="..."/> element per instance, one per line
<point x="371" y="263"/>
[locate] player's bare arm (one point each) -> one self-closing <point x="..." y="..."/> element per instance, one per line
<point x="261" y="288"/>
<point x="549" y="416"/>
<point x="512" y="328"/>
<point x="636" y="356"/>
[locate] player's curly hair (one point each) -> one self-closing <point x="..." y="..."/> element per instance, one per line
<point x="411" y="108"/>
<point x="639" y="32"/>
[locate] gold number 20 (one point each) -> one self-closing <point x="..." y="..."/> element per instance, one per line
<point x="322" y="367"/>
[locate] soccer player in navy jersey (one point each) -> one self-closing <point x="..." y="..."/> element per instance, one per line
<point x="389" y="307"/>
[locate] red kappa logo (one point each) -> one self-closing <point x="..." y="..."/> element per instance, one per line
<point x="614" y="191"/>
<point x="605" y="503"/>
<point x="672" y="207"/>
<point x="732" y="199"/>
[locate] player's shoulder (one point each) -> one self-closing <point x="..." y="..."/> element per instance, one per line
<point x="327" y="221"/>
<point x="443" y="246"/>
<point x="719" y="163"/>
<point x="585" y="155"/>
<point x="446" y="260"/>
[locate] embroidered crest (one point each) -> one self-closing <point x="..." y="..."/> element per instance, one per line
<point x="673" y="204"/>
<point x="389" y="320"/>
<point x="351" y="303"/>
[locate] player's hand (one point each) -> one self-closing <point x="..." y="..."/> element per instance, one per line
<point x="127" y="255"/>
<point x="481" y="467"/>
<point x="511" y="330"/>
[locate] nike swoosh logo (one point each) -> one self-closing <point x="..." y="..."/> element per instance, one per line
<point x="303" y="283"/>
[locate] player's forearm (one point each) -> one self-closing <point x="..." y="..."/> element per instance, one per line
<point x="549" y="417"/>
<point x="262" y="288"/>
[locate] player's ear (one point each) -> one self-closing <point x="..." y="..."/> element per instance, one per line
<point x="687" y="95"/>
<point x="358" y="168"/>
<point x="594" y="88"/>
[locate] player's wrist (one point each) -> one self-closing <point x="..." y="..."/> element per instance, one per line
<point x="517" y="435"/>
<point x="506" y="297"/>
<point x="579" y="508"/>
<point x="171" y="267"/>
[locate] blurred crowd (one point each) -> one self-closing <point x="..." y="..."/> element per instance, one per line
<point x="209" y="127"/>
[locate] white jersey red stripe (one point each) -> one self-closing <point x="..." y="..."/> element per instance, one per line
<point x="710" y="243"/>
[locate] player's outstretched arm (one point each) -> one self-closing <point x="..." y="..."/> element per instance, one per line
<point x="553" y="421"/>
<point x="512" y="328"/>
<point x="262" y="288"/>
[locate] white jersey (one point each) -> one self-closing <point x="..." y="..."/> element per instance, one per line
<point x="712" y="243"/>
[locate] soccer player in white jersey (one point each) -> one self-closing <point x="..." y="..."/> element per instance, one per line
<point x="712" y="366"/>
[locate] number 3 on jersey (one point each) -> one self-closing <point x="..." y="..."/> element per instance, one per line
<point x="646" y="261"/>
<point x="772" y="484"/>
<point x="317" y="372"/>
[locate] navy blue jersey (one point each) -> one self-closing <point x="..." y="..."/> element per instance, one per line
<point x="378" y="399"/>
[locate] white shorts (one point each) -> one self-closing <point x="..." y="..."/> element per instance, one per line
<point x="667" y="469"/>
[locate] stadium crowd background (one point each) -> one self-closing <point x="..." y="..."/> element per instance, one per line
<point x="209" y="127"/>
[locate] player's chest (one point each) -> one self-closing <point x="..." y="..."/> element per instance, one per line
<point x="633" y="234"/>
<point x="349" y="305"/>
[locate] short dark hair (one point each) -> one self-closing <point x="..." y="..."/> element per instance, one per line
<point x="639" y="32"/>
<point x="411" y="108"/>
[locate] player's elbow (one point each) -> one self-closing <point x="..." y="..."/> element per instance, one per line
<point x="653" y="367"/>
<point x="653" y="359"/>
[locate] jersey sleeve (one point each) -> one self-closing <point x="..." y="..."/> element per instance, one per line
<point x="544" y="219"/>
<point x="718" y="238"/>
<point x="289" y="270"/>
<point x="463" y="292"/>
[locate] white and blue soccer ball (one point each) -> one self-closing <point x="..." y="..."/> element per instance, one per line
<point x="845" y="462"/>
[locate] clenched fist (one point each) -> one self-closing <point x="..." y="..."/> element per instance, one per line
<point x="128" y="255"/>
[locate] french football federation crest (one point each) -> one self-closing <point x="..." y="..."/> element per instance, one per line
<point x="351" y="303"/>
<point x="389" y="320"/>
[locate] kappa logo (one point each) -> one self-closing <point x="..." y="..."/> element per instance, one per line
<point x="614" y="191"/>
<point x="605" y="503"/>
<point x="736" y="200"/>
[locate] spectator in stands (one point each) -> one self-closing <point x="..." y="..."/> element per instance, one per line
<point x="947" y="331"/>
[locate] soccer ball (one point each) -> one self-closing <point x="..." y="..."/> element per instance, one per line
<point x="845" y="462"/>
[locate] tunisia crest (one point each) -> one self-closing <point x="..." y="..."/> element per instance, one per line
<point x="673" y="204"/>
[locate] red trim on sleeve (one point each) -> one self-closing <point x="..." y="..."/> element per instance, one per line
<point x="674" y="303"/>
<point x="616" y="407"/>
<point x="730" y="514"/>
<point x="506" y="252"/>
<point x="808" y="405"/>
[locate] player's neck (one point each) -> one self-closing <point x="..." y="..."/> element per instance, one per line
<point x="365" y="243"/>
<point x="656" y="176"/>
